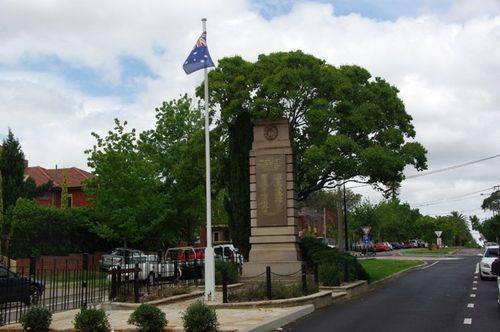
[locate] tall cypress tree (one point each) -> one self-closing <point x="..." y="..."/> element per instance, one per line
<point x="64" y="190"/>
<point x="238" y="180"/>
<point x="12" y="168"/>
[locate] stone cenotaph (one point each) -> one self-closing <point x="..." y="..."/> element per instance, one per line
<point x="274" y="234"/>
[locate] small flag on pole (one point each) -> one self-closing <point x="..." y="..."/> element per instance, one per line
<point x="199" y="57"/>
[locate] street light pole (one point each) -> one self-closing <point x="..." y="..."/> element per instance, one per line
<point x="345" y="222"/>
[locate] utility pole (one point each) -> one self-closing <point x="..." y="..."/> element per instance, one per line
<point x="346" y="240"/>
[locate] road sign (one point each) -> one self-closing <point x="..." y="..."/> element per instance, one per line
<point x="438" y="233"/>
<point x="366" y="239"/>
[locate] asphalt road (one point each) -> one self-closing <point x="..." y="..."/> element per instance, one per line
<point x="435" y="298"/>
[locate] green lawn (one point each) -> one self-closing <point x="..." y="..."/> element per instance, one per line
<point x="380" y="268"/>
<point x="427" y="252"/>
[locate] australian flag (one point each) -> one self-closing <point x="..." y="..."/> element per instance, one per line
<point x="199" y="57"/>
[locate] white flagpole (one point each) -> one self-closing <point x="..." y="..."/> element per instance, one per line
<point x="209" y="251"/>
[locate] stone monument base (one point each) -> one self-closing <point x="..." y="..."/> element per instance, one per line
<point x="253" y="269"/>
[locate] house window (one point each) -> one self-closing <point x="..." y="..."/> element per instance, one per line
<point x="70" y="200"/>
<point x="216" y="236"/>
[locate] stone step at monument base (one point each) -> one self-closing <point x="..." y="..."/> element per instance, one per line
<point x="283" y="268"/>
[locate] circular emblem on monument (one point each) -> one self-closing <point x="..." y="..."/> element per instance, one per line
<point x="271" y="132"/>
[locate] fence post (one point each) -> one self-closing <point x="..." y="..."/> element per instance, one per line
<point x="136" y="283"/>
<point x="304" y="279"/>
<point x="112" y="293"/>
<point x="316" y="274"/>
<point x="118" y="279"/>
<point x="85" y="274"/>
<point x="268" y="283"/>
<point x="32" y="271"/>
<point x="175" y="270"/>
<point x="224" y="285"/>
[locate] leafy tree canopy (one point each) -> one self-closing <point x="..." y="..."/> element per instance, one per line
<point x="345" y="125"/>
<point x="492" y="202"/>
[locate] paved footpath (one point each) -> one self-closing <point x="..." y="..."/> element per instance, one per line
<point x="438" y="297"/>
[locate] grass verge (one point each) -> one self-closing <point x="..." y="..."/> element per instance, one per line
<point x="427" y="252"/>
<point x="380" y="268"/>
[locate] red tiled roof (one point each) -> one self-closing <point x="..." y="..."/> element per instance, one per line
<point x="42" y="175"/>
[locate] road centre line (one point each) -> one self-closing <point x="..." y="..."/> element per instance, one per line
<point x="473" y="295"/>
<point x="474" y="288"/>
<point x="470" y="305"/>
<point x="474" y="282"/>
<point x="477" y="269"/>
<point x="468" y="321"/>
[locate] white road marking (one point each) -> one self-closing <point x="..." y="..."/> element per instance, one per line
<point x="427" y="266"/>
<point x="468" y="321"/>
<point x="470" y="305"/>
<point x="475" y="277"/>
<point x="473" y="295"/>
<point x="477" y="269"/>
<point x="474" y="282"/>
<point x="474" y="288"/>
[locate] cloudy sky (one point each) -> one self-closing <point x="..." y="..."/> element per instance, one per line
<point x="69" y="67"/>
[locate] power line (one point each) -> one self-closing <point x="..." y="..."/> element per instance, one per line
<point x="449" y="168"/>
<point x="453" y="198"/>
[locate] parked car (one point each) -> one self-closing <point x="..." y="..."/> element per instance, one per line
<point x="382" y="246"/>
<point x="119" y="256"/>
<point x="227" y="252"/>
<point x="489" y="256"/>
<point x="408" y="245"/>
<point x="16" y="288"/>
<point x="396" y="245"/>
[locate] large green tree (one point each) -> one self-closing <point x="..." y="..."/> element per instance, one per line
<point x="125" y="192"/>
<point x="345" y="125"/>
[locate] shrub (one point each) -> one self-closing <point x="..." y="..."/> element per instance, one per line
<point x="199" y="317"/>
<point x="329" y="274"/>
<point x="36" y="319"/>
<point x="92" y="320"/>
<point x="148" y="318"/>
<point x="316" y="252"/>
<point x="231" y="270"/>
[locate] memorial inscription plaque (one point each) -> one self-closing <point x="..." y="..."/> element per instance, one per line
<point x="271" y="190"/>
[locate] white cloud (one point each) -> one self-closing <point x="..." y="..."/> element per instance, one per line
<point x="446" y="65"/>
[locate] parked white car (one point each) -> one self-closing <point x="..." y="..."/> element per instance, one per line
<point x="490" y="254"/>
<point x="227" y="252"/>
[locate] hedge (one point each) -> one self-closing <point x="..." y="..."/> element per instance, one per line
<point x="334" y="262"/>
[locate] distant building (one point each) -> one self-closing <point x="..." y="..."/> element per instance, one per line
<point x="313" y="222"/>
<point x="75" y="178"/>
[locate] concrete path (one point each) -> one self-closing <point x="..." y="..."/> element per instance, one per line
<point x="229" y="319"/>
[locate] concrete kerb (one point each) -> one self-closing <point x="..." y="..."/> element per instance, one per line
<point x="286" y="318"/>
<point x="352" y="289"/>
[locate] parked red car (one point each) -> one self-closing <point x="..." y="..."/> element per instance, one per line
<point x="382" y="246"/>
<point x="408" y="245"/>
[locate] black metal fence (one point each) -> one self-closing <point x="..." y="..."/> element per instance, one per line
<point x="87" y="281"/>
<point x="136" y="282"/>
<point x="56" y="288"/>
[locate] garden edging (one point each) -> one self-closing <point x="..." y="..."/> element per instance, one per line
<point x="319" y="300"/>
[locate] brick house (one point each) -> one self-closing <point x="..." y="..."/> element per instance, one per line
<point x="75" y="178"/>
